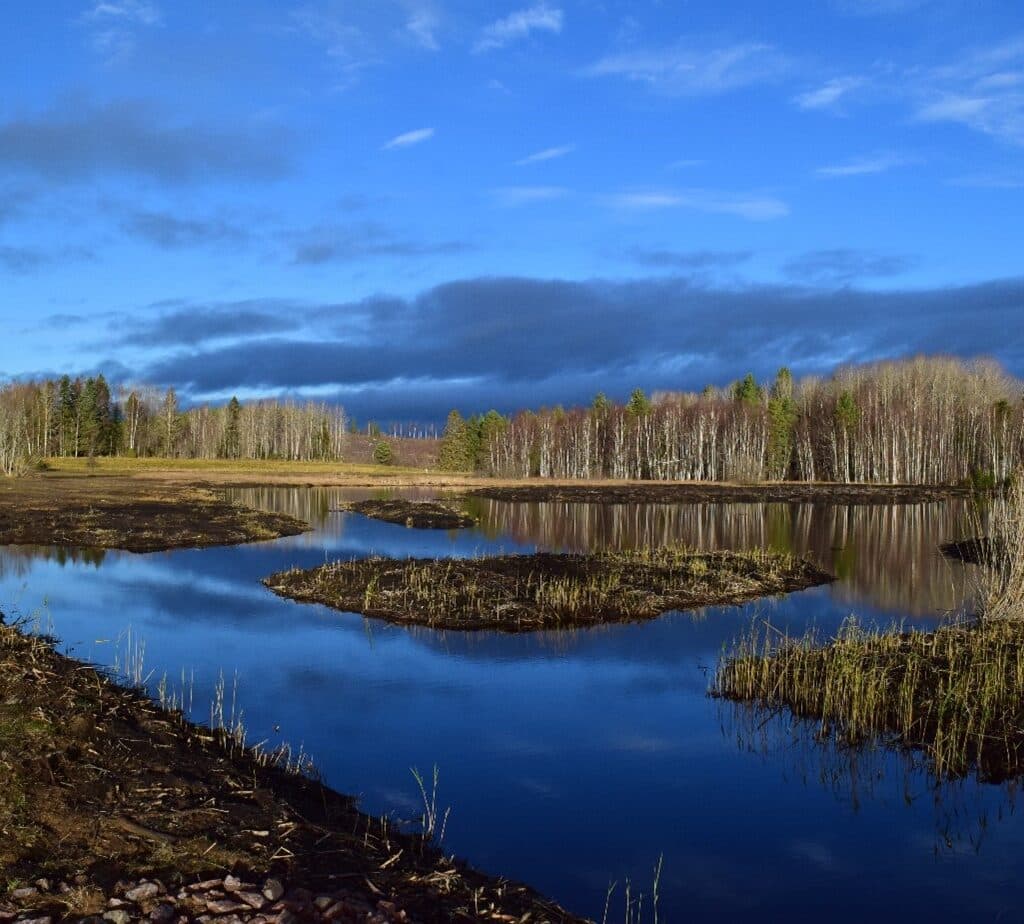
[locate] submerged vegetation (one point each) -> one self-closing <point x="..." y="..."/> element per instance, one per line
<point x="519" y="593"/>
<point x="957" y="693"/>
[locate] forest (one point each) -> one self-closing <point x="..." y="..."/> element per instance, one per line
<point x="926" y="420"/>
<point x="85" y="417"/>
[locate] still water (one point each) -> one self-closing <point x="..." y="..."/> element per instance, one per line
<point x="574" y="760"/>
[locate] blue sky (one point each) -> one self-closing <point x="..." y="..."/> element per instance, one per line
<point x="406" y="205"/>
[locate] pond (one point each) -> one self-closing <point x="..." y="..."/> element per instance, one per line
<point x="575" y="760"/>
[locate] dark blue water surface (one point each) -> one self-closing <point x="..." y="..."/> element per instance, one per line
<point x="574" y="760"/>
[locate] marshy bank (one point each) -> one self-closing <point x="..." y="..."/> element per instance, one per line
<point x="111" y="804"/>
<point x="956" y="693"/>
<point x="123" y="513"/>
<point x="523" y="593"/>
<point x="416" y="514"/>
<point x="695" y="492"/>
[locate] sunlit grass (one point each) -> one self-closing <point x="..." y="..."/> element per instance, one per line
<point x="957" y="692"/>
<point x="124" y="465"/>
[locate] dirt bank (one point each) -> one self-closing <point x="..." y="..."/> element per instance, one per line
<point x="113" y="806"/>
<point x="708" y="492"/>
<point x="418" y="514"/>
<point x="122" y="513"/>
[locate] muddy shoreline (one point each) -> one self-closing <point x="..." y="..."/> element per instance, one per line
<point x="113" y="513"/>
<point x="713" y="492"/>
<point x="525" y="593"/>
<point x="113" y="805"/>
<point x="416" y="514"/>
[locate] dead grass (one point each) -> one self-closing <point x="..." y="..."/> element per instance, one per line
<point x="520" y="593"/>
<point x="956" y="693"/>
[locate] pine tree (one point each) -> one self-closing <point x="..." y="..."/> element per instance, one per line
<point x="639" y="404"/>
<point x="782" y="416"/>
<point x="456" y="453"/>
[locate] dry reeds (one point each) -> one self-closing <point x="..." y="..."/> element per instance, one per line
<point x="957" y="692"/>
<point x="524" y="592"/>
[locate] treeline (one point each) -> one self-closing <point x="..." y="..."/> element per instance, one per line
<point x="84" y="417"/>
<point x="924" y="420"/>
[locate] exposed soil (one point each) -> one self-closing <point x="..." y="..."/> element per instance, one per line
<point x="418" y="514"/>
<point x="110" y="804"/>
<point x="521" y="593"/>
<point x="122" y="513"/>
<point x="710" y="492"/>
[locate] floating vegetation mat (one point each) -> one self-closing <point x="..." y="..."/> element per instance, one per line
<point x="520" y="593"/>
<point x="418" y="514"/>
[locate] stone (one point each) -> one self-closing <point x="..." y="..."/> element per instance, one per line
<point x="232" y="883"/>
<point x="224" y="906"/>
<point x="163" y="914"/>
<point x="143" y="892"/>
<point x="273" y="890"/>
<point x="252" y="899"/>
<point x="118" y="916"/>
<point x="24" y="894"/>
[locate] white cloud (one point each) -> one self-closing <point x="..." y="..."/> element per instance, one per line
<point x="864" y="166"/>
<point x="407" y="139"/>
<point x="125" y="11"/>
<point x="422" y="26"/>
<point x="983" y="90"/>
<point x="518" y="25"/>
<point x="525" y="195"/>
<point x="752" y="207"/>
<point x="689" y="71"/>
<point x="829" y="93"/>
<point x="546" y="154"/>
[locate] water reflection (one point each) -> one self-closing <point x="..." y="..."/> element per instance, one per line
<point x="885" y="555"/>
<point x="572" y="759"/>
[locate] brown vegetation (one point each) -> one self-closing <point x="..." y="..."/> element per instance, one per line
<point x="522" y="593"/>
<point x="418" y="514"/>
<point x="102" y="786"/>
<point x="113" y="513"/>
<point x="957" y="693"/>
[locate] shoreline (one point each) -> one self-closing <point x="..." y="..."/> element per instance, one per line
<point x="116" y="806"/>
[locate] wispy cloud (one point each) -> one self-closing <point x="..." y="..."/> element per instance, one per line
<point x="829" y="94"/>
<point x="864" y="166"/>
<point x="689" y="259"/>
<point x="685" y="163"/>
<point x="345" y="243"/>
<point x="684" y="70"/>
<point x="983" y="90"/>
<point x="546" y="154"/>
<point x="752" y="207"/>
<point x="408" y="139"/>
<point x="524" y="195"/>
<point x="519" y="25"/>
<point x="422" y="26"/>
<point x="115" y="24"/>
<point x="843" y="266"/>
<point x="129" y="11"/>
<point x="989" y="181"/>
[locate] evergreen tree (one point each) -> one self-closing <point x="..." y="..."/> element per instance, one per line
<point x="747" y="390"/>
<point x="456" y="453"/>
<point x="639" y="404"/>
<point x="232" y="442"/>
<point x="782" y="416"/>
